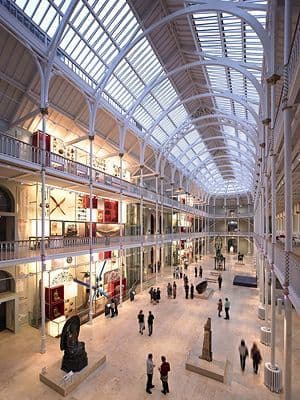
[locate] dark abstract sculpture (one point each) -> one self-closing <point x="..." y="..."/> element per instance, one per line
<point x="75" y="357"/>
<point x="201" y="287"/>
<point x="219" y="258"/>
<point x="206" y="348"/>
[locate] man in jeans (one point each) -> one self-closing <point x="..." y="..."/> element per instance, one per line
<point x="164" y="369"/>
<point x="226" y="307"/>
<point x="150" y="367"/>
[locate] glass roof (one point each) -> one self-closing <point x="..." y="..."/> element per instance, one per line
<point x="95" y="34"/>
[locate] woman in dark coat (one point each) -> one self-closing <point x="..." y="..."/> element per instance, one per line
<point x="256" y="357"/>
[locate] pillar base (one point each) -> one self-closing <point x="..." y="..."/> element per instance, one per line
<point x="265" y="335"/>
<point x="273" y="377"/>
<point x="261" y="312"/>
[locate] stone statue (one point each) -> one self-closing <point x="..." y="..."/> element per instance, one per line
<point x="206" y="348"/>
<point x="75" y="357"/>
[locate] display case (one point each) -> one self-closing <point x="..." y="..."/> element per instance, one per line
<point x="54" y="302"/>
<point x="55" y="327"/>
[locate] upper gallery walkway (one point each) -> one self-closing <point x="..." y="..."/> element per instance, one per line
<point x="60" y="246"/>
<point x="27" y="158"/>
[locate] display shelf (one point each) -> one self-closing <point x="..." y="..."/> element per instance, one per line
<point x="54" y="302"/>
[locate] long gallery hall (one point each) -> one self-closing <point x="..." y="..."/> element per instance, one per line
<point x="150" y="163"/>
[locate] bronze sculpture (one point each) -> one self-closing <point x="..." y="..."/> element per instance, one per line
<point x="75" y="357"/>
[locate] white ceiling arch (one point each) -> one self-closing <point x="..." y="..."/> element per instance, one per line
<point x="182" y="129"/>
<point x="211" y="5"/>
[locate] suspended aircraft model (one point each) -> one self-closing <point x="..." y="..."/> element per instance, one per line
<point x="98" y="291"/>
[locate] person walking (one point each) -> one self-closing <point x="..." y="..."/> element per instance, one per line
<point x="196" y="272"/>
<point x="220" y="281"/>
<point x="141" y="320"/>
<point x="151" y="296"/>
<point x="200" y="271"/>
<point x="154" y="296"/>
<point x="150" y="323"/>
<point x="174" y="290"/>
<point x="112" y="308"/>
<point x="131" y="294"/>
<point x="256" y="357"/>
<point x="186" y="288"/>
<point x="192" y="291"/>
<point x="226" y="308"/>
<point x="169" y="290"/>
<point x="220" y="307"/>
<point x="164" y="369"/>
<point x="150" y="366"/>
<point x="243" y="350"/>
<point x="158" y="294"/>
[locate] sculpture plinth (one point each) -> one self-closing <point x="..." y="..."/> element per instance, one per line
<point x="204" y="364"/>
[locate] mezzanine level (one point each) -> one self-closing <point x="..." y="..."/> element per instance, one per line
<point x="22" y="251"/>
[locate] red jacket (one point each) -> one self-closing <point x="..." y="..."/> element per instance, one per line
<point x="164" y="368"/>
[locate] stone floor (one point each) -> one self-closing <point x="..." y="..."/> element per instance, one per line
<point x="178" y="326"/>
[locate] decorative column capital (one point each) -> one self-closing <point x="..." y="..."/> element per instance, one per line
<point x="272" y="79"/>
<point x="44" y="110"/>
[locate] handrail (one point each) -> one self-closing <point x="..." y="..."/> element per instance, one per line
<point x="30" y="248"/>
<point x="27" y="152"/>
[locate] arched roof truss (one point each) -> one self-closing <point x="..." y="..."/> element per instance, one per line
<point x="105" y="44"/>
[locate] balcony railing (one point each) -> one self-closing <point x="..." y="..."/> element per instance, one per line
<point x="56" y="247"/>
<point x="279" y="264"/>
<point x="16" y="149"/>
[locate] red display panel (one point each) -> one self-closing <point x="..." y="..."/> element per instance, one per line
<point x="113" y="288"/>
<point x="110" y="211"/>
<point x="37" y="140"/>
<point x="86" y="201"/>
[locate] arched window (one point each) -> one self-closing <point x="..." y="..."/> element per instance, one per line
<point x="6" y="201"/>
<point x="6" y="282"/>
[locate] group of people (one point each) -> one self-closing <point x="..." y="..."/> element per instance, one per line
<point x="255" y="355"/>
<point x="154" y="295"/>
<point x="164" y="370"/>
<point x="141" y="321"/>
<point x="177" y="273"/>
<point x="171" y="290"/>
<point x="188" y="288"/>
<point x="111" y="308"/>
<point x="200" y="271"/>
<point x="226" y="307"/>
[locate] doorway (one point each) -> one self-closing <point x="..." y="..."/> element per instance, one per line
<point x="8" y="302"/>
<point x="7" y="216"/>
<point x="232" y="246"/>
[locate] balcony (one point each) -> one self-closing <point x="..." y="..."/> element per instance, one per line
<point x="279" y="266"/>
<point x="60" y="247"/>
<point x="24" y="155"/>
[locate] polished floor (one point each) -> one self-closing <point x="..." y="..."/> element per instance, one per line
<point x="178" y="326"/>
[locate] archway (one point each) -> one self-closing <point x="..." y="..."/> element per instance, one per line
<point x="8" y="302"/>
<point x="7" y="215"/>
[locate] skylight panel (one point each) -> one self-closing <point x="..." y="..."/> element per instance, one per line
<point x="178" y="115"/>
<point x="182" y="144"/>
<point x="176" y="151"/>
<point x="159" y="134"/>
